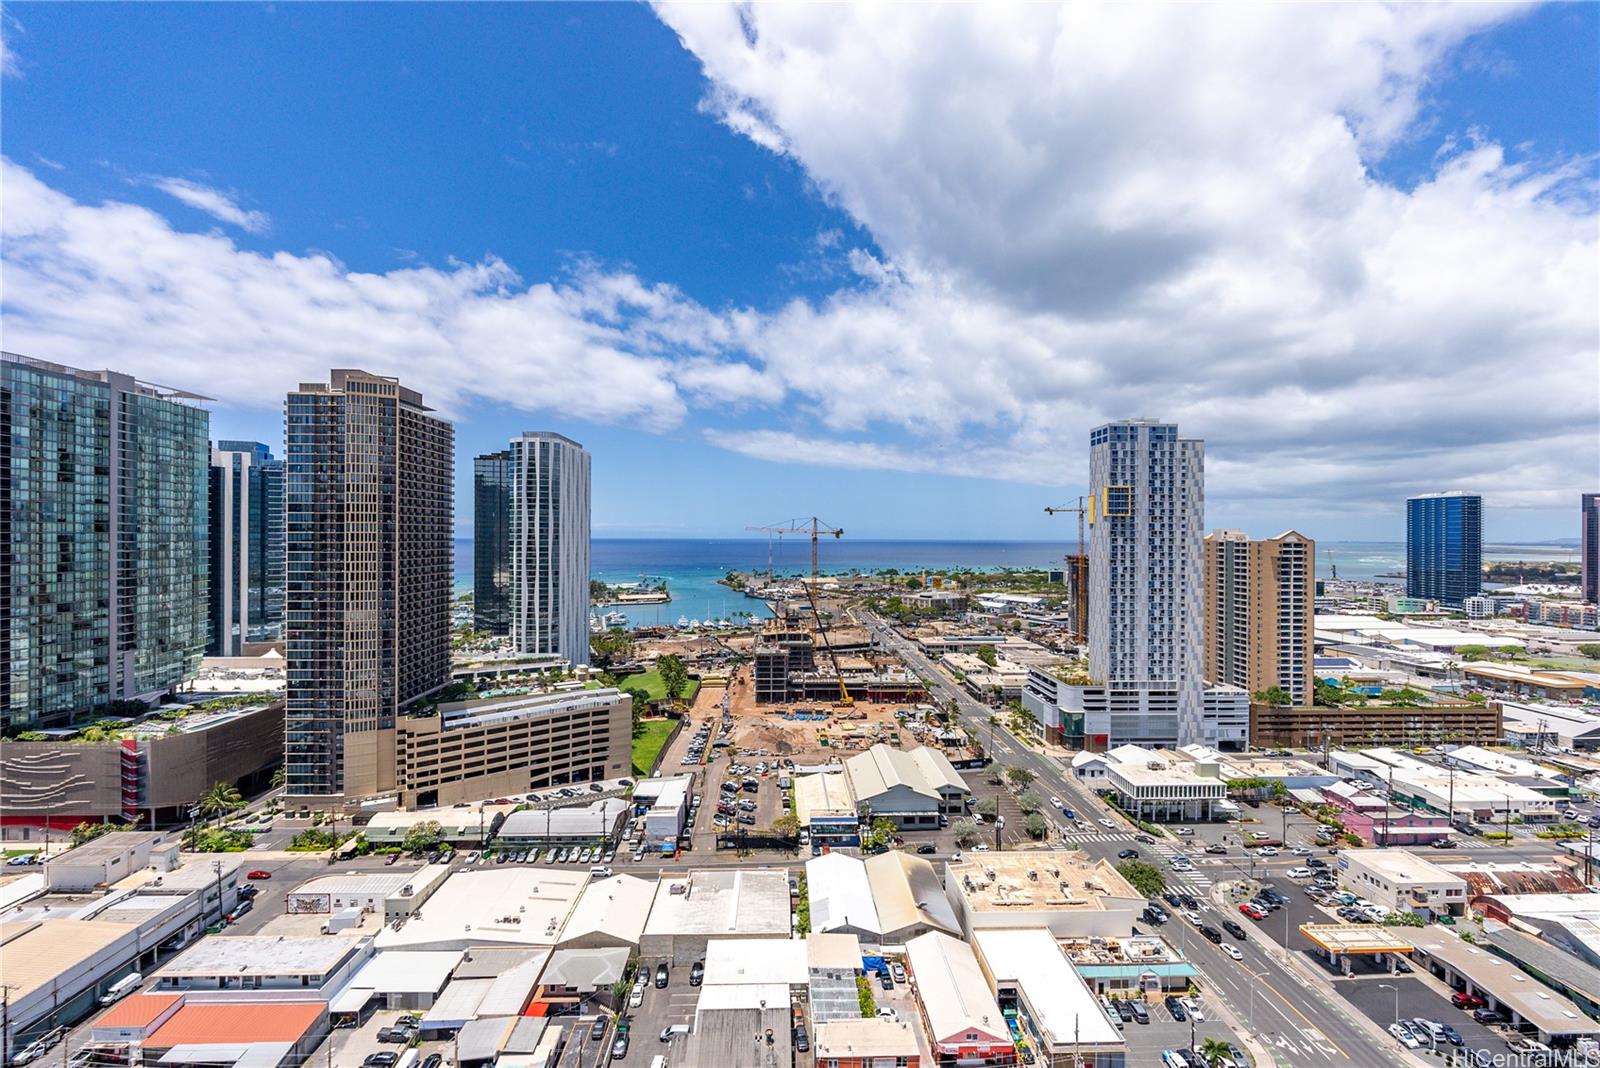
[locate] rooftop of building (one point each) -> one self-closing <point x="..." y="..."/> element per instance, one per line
<point x="955" y="994"/>
<point x="1062" y="1004"/>
<point x="616" y="907"/>
<point x="374" y="883"/>
<point x="840" y="894"/>
<point x="507" y="904"/>
<point x="1400" y="865"/>
<point x="148" y="389"/>
<point x="399" y="971"/>
<point x="721" y="901"/>
<point x="906" y="891"/>
<point x="240" y="1022"/>
<point x="823" y="794"/>
<point x="883" y="767"/>
<point x="263" y="955"/>
<point x="33" y="953"/>
<point x="866" y="1039"/>
<point x="137" y="1010"/>
<point x="1529" y="998"/>
<point x="765" y="961"/>
<point x="1057" y="880"/>
<point x="113" y="847"/>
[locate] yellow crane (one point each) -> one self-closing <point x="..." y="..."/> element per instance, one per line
<point x="812" y="526"/>
<point x="1079" y="562"/>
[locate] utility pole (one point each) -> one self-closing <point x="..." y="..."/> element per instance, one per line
<point x="216" y="868"/>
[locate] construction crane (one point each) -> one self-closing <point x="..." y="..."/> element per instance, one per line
<point x="811" y="598"/>
<point x="812" y="526"/>
<point x="1079" y="562"/>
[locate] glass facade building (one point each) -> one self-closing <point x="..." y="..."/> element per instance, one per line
<point x="103" y="540"/>
<point x="1444" y="547"/>
<point x="367" y="524"/>
<point x="549" y="549"/>
<point x="1589" y="547"/>
<point x="246" y="538"/>
<point x="491" y="542"/>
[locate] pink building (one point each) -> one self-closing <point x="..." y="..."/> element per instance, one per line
<point x="1367" y="815"/>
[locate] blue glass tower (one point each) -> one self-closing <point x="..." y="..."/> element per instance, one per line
<point x="1444" y="547"/>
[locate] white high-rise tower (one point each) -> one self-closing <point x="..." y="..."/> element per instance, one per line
<point x="549" y="546"/>
<point x="1146" y="627"/>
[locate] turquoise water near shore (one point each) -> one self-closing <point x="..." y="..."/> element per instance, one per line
<point x="691" y="567"/>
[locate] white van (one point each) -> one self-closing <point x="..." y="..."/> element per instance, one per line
<point x="122" y="988"/>
<point x="658" y="1061"/>
<point x="674" y="1031"/>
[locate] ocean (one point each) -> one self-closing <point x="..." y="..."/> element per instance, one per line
<point x="691" y="567"/>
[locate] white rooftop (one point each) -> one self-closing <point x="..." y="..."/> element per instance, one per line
<point x="260" y="955"/>
<point x="1061" y="1002"/>
<point x="721" y="901"/>
<point x="840" y="894"/>
<point x="407" y="971"/>
<point x="616" y="907"/>
<point x="763" y="961"/>
<point x="509" y="904"/>
<point x="955" y="995"/>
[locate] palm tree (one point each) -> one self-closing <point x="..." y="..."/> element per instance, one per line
<point x="1215" y="1051"/>
<point x="221" y="799"/>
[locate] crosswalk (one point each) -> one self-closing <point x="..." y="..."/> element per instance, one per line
<point x="1099" y="836"/>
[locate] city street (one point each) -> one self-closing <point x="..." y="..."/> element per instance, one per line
<point x="1287" y="1011"/>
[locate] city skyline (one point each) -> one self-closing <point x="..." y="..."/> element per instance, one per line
<point x="761" y="314"/>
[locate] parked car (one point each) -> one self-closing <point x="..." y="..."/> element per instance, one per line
<point x="886" y="980"/>
<point x="1462" y="1000"/>
<point x="386" y="1059"/>
<point x="1175" y="1008"/>
<point x="1140" y="1013"/>
<point x="661" y="976"/>
<point x="1250" y="910"/>
<point x="1400" y="1031"/>
<point x="259" y="873"/>
<point x="619" y="1048"/>
<point x="597" y="1030"/>
<point x="1487" y="1016"/>
<point x="697" y="973"/>
<point x="1124" y="1010"/>
<point x="898" y="971"/>
<point x="801" y="1042"/>
<point x="927" y="849"/>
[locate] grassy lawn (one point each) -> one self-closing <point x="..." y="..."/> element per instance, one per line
<point x="648" y="744"/>
<point x="650" y="682"/>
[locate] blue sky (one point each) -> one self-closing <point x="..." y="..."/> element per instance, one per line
<point x="843" y="297"/>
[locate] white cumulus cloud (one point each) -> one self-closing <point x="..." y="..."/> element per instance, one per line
<point x="1089" y="212"/>
<point x="215" y="203"/>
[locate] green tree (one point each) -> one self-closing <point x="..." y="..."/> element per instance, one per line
<point x="88" y="832"/>
<point x="787" y="825"/>
<point x="1019" y="776"/>
<point x="641" y="705"/>
<point x="987" y="654"/>
<point x="1030" y="801"/>
<point x="1215" y="1052"/>
<point x="1035" y="825"/>
<point x="1276" y="696"/>
<point x="913" y="583"/>
<point x="987" y="806"/>
<point x="280" y="775"/>
<point x="422" y="837"/>
<point x="221" y="799"/>
<point x="1473" y="652"/>
<point x="1145" y="878"/>
<point x="674" y="676"/>
<point x="967" y="833"/>
<point x="1590" y="650"/>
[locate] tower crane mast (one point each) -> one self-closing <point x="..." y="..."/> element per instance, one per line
<point x="1079" y="562"/>
<point x="812" y="526"/>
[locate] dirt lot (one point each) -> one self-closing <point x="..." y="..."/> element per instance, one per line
<point x="847" y="730"/>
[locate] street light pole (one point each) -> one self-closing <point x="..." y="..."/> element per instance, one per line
<point x="1396" y="992"/>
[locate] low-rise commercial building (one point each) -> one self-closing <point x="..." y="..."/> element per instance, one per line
<point x="469" y="826"/>
<point x="1526" y="682"/>
<point x="826" y="808"/>
<point x="1272" y="726"/>
<point x="394" y="895"/>
<point x="1154" y="786"/>
<point x="1554" y="1019"/>
<point x="191" y="1029"/>
<point x="695" y="907"/>
<point x="1402" y="881"/>
<point x="885" y="900"/>
<point x="548" y="825"/>
<point x="858" y="1043"/>
<point x="963" y="1022"/>
<point x="664" y="804"/>
<point x="610" y="913"/>
<point x="1064" y="892"/>
<point x="61" y="950"/>
<point x="508" y="905"/>
<point x="314" y="968"/>
<point x="912" y="788"/>
<point x="1055" y="1010"/>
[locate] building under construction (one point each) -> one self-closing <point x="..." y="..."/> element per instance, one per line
<point x="787" y="667"/>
